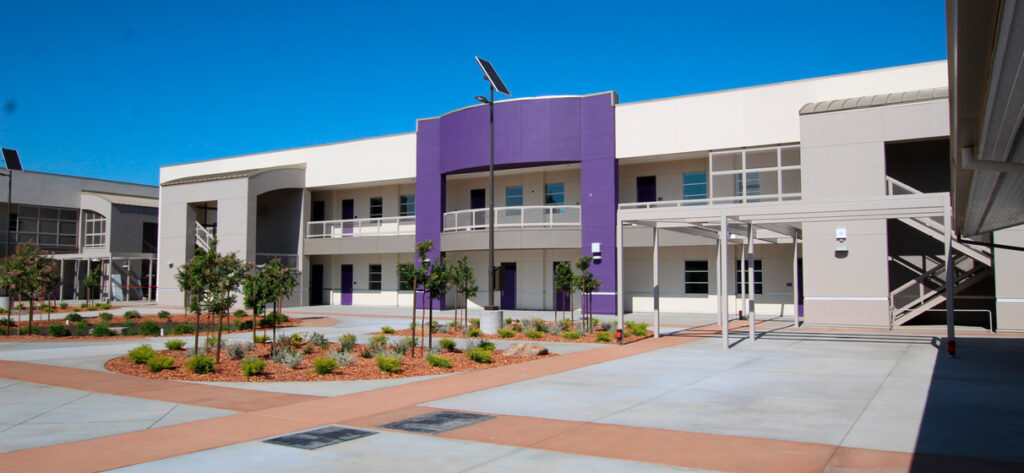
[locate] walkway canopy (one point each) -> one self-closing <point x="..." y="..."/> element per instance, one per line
<point x="779" y="222"/>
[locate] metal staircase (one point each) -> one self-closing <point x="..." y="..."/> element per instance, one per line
<point x="928" y="289"/>
<point x="203" y="237"/>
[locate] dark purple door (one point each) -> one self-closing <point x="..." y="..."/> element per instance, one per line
<point x="508" y="293"/>
<point x="560" y="300"/>
<point x="316" y="285"/>
<point x="477" y="199"/>
<point x="646" y="189"/>
<point x="346" y="284"/>
<point x="348" y="212"/>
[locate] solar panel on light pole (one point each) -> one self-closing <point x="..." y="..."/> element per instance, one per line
<point x="496" y="84"/>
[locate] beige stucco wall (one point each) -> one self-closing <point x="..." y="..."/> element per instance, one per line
<point x="1009" y="289"/>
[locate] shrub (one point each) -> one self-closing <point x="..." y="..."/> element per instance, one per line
<point x="7" y="322"/>
<point x="438" y="361"/>
<point x="24" y="331"/>
<point x="387" y="329"/>
<point x="264" y="323"/>
<point x="324" y="365"/>
<point x="447" y="344"/>
<point x="131" y="315"/>
<point x="106" y="316"/>
<point x="389" y="364"/>
<point x="297" y="338"/>
<point x="442" y="328"/>
<point x="366" y="353"/>
<point x="183" y="329"/>
<point x="240" y="313"/>
<point x="149" y="328"/>
<point x="402" y="345"/>
<point x="277" y="317"/>
<point x="377" y="343"/>
<point x="48" y="309"/>
<point x="308" y="350"/>
<point x="174" y="344"/>
<point x="63" y="305"/>
<point x="289" y="358"/>
<point x="129" y="331"/>
<point x="159" y="363"/>
<point x="639" y="329"/>
<point x="474" y="322"/>
<point x="237" y="350"/>
<point x="81" y="328"/>
<point x="604" y="336"/>
<point x="200" y="364"/>
<point x="141" y="354"/>
<point x="319" y="340"/>
<point x="73" y="317"/>
<point x="261" y="339"/>
<point x="245" y="325"/>
<point x="534" y="334"/>
<point x="59" y="330"/>
<point x="506" y="333"/>
<point x="565" y="325"/>
<point x="252" y="366"/>
<point x="473" y="332"/>
<point x="163" y="314"/>
<point x="485" y="344"/>
<point x="480" y="355"/>
<point x="93" y="308"/>
<point x="83" y="305"/>
<point x="342" y="358"/>
<point x="570" y="335"/>
<point x="101" y="330"/>
<point x="508" y="320"/>
<point x="105" y="306"/>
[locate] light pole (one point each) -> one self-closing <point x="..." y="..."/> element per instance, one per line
<point x="492" y="315"/>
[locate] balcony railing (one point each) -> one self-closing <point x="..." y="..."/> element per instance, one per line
<point x="530" y="216"/>
<point x="711" y="201"/>
<point x="362" y="227"/>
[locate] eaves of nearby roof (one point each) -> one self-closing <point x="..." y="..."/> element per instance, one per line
<point x="122" y="199"/>
<point x="869" y="101"/>
<point x="228" y="175"/>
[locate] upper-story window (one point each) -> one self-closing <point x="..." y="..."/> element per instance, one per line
<point x="514" y="196"/>
<point x="47" y="226"/>
<point x="95" y="230"/>
<point x="554" y="194"/>
<point x="755" y="175"/>
<point x="695" y="186"/>
<point x="376" y="207"/>
<point x="407" y="205"/>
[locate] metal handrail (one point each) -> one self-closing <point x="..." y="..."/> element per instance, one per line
<point x="737" y="199"/>
<point x="523" y="216"/>
<point x="361" y="227"/>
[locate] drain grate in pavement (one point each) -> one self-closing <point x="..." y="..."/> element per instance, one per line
<point x="317" y="438"/>
<point x="436" y="422"/>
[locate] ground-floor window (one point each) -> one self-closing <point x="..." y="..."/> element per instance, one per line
<point x="375" y="277"/>
<point x="758" y="286"/>
<point x="695" y="277"/>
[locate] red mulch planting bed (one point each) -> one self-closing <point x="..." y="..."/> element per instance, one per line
<point x="521" y="336"/>
<point x="40" y="323"/>
<point x="364" y="368"/>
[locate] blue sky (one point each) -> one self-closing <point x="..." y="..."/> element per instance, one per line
<point x="117" y="89"/>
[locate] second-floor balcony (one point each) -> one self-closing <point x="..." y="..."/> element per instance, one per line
<point x="529" y="216"/>
<point x="362" y="227"/>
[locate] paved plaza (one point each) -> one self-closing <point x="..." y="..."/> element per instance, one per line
<point x="792" y="400"/>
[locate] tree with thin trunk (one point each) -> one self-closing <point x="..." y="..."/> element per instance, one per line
<point x="436" y="285"/>
<point x="190" y="282"/>
<point x="30" y="273"/>
<point x="586" y="283"/>
<point x="564" y="286"/>
<point x="282" y="282"/>
<point x="411" y="274"/>
<point x="465" y="284"/>
<point x="218" y="276"/>
<point x="92" y="282"/>
<point x="257" y="294"/>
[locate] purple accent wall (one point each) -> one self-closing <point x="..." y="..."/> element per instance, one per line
<point x="528" y="132"/>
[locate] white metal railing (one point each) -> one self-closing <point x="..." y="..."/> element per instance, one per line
<point x="526" y="216"/>
<point x="203" y="236"/>
<point x="362" y="227"/>
<point x="894" y="187"/>
<point x="289" y="260"/>
<point x="738" y="199"/>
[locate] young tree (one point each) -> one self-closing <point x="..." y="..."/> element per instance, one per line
<point x="190" y="282"/>
<point x="411" y="274"/>
<point x="465" y="283"/>
<point x="282" y="282"/>
<point x="218" y="277"/>
<point x="564" y="285"/>
<point x="92" y="282"/>
<point x="30" y="273"/>
<point x="256" y="294"/>
<point x="587" y="284"/>
<point x="436" y="285"/>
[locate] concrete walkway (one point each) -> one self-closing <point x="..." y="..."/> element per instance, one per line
<point x="791" y="401"/>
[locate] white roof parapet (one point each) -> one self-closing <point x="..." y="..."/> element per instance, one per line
<point x="868" y="101"/>
<point x="122" y="199"/>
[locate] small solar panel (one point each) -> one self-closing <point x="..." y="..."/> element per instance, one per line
<point x="11" y="159"/>
<point x="492" y="76"/>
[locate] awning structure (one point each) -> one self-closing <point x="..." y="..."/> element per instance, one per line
<point x="776" y="222"/>
<point x="121" y="199"/>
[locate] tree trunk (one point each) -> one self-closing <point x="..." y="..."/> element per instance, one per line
<point x="273" y="325"/>
<point x="220" y="326"/>
<point x="31" y="309"/>
<point x="430" y="332"/>
<point x="254" y="326"/>
<point x="197" y="333"/>
<point x="413" y="326"/>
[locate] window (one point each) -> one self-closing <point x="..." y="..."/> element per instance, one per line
<point x="554" y="194"/>
<point x="95" y="230"/>
<point x="758" y="286"/>
<point x="407" y="205"/>
<point x="513" y="196"/>
<point x="404" y="285"/>
<point x="753" y="183"/>
<point x="695" y="277"/>
<point x="376" y="207"/>
<point x="53" y="228"/>
<point x="695" y="186"/>
<point x="149" y="237"/>
<point x="375" y="277"/>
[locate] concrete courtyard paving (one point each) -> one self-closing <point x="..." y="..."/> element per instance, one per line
<point x="793" y="400"/>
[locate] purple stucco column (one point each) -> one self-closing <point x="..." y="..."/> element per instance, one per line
<point x="599" y="192"/>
